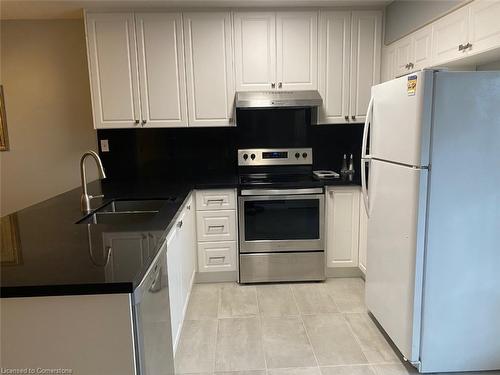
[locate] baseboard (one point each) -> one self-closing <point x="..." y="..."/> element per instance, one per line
<point x="215" y="277"/>
<point x="344" y="272"/>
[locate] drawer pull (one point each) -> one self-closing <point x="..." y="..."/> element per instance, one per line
<point x="215" y="201"/>
<point x="215" y="227"/>
<point x="216" y="260"/>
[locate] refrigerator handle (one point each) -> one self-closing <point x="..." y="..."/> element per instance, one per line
<point x="368" y="119"/>
<point x="364" y="191"/>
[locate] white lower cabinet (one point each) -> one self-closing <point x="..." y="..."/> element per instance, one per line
<point x="181" y="264"/>
<point x="342" y="223"/>
<point x="217" y="231"/>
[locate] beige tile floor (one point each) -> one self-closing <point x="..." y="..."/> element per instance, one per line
<point x="284" y="329"/>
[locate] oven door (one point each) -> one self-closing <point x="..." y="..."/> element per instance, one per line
<point x="281" y="220"/>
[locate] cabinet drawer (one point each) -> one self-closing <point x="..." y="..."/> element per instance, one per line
<point x="217" y="256"/>
<point x="215" y="200"/>
<point x="216" y="225"/>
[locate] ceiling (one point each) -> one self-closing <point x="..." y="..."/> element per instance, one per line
<point x="57" y="9"/>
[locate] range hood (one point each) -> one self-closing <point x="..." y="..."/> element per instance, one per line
<point x="278" y="99"/>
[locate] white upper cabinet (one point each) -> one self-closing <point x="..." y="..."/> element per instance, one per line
<point x="297" y="50"/>
<point x="388" y="63"/>
<point x="112" y="57"/>
<point x="484" y="26"/>
<point x="366" y="44"/>
<point x="349" y="63"/>
<point x="161" y="69"/>
<point x="449" y="35"/>
<point x="334" y="60"/>
<point x="403" y="55"/>
<point x="255" y="50"/>
<point x="421" y="49"/>
<point x="209" y="68"/>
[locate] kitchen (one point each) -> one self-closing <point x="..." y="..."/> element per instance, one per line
<point x="207" y="245"/>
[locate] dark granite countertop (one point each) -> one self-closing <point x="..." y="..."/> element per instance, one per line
<point x="53" y="255"/>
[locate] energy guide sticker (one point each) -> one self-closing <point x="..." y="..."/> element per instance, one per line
<point x="412" y="85"/>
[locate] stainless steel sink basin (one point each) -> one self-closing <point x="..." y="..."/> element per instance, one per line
<point x="125" y="212"/>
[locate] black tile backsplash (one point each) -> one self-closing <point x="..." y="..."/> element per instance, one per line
<point x="186" y="153"/>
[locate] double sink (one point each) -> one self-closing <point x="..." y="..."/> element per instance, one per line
<point x="126" y="211"/>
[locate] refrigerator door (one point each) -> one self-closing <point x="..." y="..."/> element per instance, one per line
<point x="396" y="222"/>
<point x="401" y="118"/>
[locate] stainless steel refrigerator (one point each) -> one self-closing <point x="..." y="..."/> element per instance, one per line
<point x="431" y="188"/>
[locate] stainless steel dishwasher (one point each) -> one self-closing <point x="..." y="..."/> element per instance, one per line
<point x="153" y="326"/>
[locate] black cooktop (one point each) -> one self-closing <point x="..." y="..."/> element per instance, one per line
<point x="278" y="180"/>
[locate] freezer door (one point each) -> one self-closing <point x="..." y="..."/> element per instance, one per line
<point x="396" y="208"/>
<point x="400" y="126"/>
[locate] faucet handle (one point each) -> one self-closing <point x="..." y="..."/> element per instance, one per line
<point x="96" y="196"/>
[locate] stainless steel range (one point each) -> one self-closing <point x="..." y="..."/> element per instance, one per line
<point x="281" y="216"/>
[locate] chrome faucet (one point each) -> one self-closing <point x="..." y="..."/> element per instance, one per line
<point x="85" y="199"/>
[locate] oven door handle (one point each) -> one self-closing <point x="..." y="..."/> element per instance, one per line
<point x="250" y="192"/>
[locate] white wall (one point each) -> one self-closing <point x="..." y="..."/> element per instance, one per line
<point x="405" y="16"/>
<point x="490" y="66"/>
<point x="47" y="97"/>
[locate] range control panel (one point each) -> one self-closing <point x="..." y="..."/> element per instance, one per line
<point x="278" y="156"/>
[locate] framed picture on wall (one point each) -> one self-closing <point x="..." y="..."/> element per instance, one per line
<point x="4" y="137"/>
<point x="10" y="241"/>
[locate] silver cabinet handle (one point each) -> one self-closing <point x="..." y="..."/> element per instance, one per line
<point x="273" y="85"/>
<point x="346" y="118"/>
<point x="353" y="117"/>
<point x="280" y="85"/>
<point x="188" y="207"/>
<point x="215" y="200"/>
<point x="406" y="66"/>
<point x="461" y="47"/>
<point x="411" y="65"/>
<point x="143" y="122"/>
<point x="467" y="46"/>
<point x="179" y="224"/>
<point x="136" y="122"/>
<point x="215" y="227"/>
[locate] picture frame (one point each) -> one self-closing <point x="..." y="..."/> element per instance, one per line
<point x="4" y="136"/>
<point x="10" y="241"/>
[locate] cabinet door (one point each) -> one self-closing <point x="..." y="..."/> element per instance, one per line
<point x="174" y="253"/>
<point x="366" y="41"/>
<point x="388" y="63"/>
<point x="161" y="69"/>
<point x="209" y="70"/>
<point x="363" y="236"/>
<point x="114" y="82"/>
<point x="448" y="34"/>
<point x="255" y="50"/>
<point x="484" y="25"/>
<point x="422" y="49"/>
<point x="334" y="58"/>
<point x="342" y="227"/>
<point x="297" y="50"/>
<point x="404" y="56"/>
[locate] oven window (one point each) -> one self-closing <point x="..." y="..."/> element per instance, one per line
<point x="294" y="219"/>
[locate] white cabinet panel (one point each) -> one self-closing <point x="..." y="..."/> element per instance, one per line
<point x="112" y="56"/>
<point x="484" y="25"/>
<point x="209" y="69"/>
<point x="422" y="49"/>
<point x="404" y="56"/>
<point x="334" y="59"/>
<point x="216" y="225"/>
<point x="255" y="50"/>
<point x="388" y="63"/>
<point x="161" y="69"/>
<point x="217" y="199"/>
<point x="342" y="227"/>
<point x="297" y="50"/>
<point x="448" y="34"/>
<point x="217" y="256"/>
<point x="366" y="40"/>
